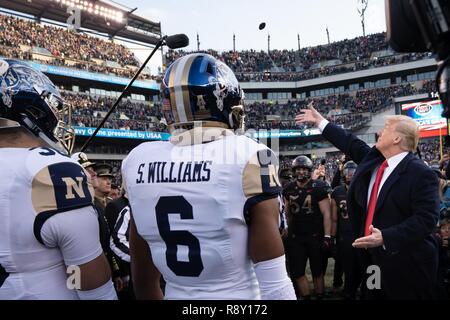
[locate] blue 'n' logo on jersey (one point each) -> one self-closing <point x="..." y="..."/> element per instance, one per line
<point x="70" y="184"/>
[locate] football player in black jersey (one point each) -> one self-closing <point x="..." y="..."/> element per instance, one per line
<point x="344" y="235"/>
<point x="309" y="219"/>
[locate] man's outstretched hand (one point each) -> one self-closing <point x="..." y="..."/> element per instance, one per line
<point x="375" y="239"/>
<point x="309" y="115"/>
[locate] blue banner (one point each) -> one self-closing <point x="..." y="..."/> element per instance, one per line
<point x="74" y="73"/>
<point x="285" y="133"/>
<point x="122" y="134"/>
<point x="143" y="135"/>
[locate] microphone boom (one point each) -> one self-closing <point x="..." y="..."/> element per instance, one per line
<point x="177" y="41"/>
<point x="173" y="42"/>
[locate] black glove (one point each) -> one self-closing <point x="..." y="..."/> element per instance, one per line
<point x="327" y="245"/>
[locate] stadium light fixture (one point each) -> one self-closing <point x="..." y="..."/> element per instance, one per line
<point x="96" y="9"/>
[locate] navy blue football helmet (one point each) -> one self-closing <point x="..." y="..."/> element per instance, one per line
<point x="198" y="87"/>
<point x="30" y="100"/>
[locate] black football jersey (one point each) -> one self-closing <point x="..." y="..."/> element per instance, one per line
<point x="339" y="195"/>
<point x="304" y="211"/>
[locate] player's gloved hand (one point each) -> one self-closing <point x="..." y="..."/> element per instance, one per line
<point x="327" y="243"/>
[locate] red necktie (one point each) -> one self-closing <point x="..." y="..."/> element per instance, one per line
<point x="373" y="197"/>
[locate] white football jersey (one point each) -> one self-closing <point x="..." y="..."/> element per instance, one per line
<point x="37" y="184"/>
<point x="190" y="200"/>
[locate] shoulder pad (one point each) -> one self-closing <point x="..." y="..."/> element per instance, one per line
<point x="249" y="136"/>
<point x="39" y="158"/>
<point x="260" y="174"/>
<point x="320" y="184"/>
<point x="338" y="189"/>
<point x="59" y="187"/>
<point x="290" y="186"/>
<point x="320" y="187"/>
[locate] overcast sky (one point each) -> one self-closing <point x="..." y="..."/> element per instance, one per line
<point x="215" y="21"/>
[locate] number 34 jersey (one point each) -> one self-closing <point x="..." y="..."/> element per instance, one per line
<point x="190" y="200"/>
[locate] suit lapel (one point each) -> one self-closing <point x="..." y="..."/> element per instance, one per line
<point x="393" y="177"/>
<point x="360" y="185"/>
<point x="362" y="177"/>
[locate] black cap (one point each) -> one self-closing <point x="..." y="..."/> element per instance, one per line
<point x="103" y="170"/>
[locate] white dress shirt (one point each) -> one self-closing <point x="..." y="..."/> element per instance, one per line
<point x="392" y="164"/>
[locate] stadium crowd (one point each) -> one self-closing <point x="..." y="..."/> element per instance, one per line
<point x="19" y="39"/>
<point x="88" y="111"/>
<point x="308" y="63"/>
<point x="349" y="109"/>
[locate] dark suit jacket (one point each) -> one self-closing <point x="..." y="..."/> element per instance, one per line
<point x="407" y="211"/>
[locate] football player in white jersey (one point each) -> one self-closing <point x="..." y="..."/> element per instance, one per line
<point x="49" y="242"/>
<point x="204" y="205"/>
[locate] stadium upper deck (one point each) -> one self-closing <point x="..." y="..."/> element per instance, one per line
<point x="350" y="79"/>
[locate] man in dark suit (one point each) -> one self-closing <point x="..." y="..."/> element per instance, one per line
<point x="393" y="204"/>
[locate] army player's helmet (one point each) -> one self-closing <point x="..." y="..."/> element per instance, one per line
<point x="302" y="162"/>
<point x="198" y="87"/>
<point x="348" y="171"/>
<point x="29" y="99"/>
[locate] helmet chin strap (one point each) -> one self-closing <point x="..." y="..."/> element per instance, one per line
<point x="36" y="131"/>
<point x="230" y="120"/>
<point x="51" y="143"/>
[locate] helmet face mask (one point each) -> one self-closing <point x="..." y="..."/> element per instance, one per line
<point x="64" y="132"/>
<point x="348" y="171"/>
<point x="302" y="162"/>
<point x="29" y="99"/>
<point x="348" y="175"/>
<point x="198" y="88"/>
<point x="66" y="136"/>
<point x="303" y="174"/>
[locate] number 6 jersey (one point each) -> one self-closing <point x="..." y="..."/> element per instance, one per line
<point x="190" y="199"/>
